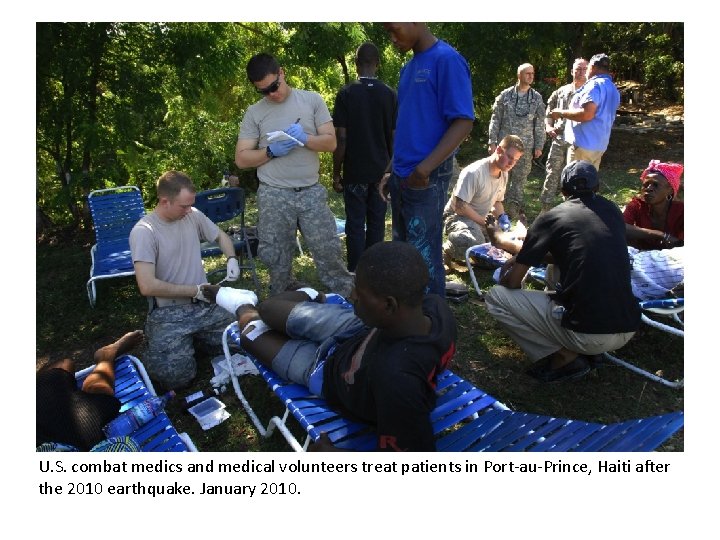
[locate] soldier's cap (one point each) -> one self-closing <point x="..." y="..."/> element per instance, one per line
<point x="600" y="60"/>
<point x="579" y="177"/>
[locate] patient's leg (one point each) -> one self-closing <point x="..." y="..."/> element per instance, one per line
<point x="102" y="378"/>
<point x="257" y="338"/>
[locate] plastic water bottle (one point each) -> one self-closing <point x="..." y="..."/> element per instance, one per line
<point x="138" y="415"/>
<point x="504" y="222"/>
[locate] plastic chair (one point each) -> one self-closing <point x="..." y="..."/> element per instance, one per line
<point x="132" y="385"/>
<point x="222" y="205"/>
<point x="495" y="258"/>
<point x="465" y="418"/>
<point x="114" y="211"/>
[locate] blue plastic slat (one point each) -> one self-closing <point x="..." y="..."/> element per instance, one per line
<point x="157" y="435"/>
<point x="495" y="429"/>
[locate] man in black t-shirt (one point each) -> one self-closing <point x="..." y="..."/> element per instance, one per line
<point x="377" y="362"/>
<point x="364" y="119"/>
<point x="592" y="309"/>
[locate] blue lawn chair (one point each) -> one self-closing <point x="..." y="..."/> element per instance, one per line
<point x="132" y="385"/>
<point x="114" y="211"/>
<point x="495" y="258"/>
<point x="222" y="205"/>
<point x="465" y="419"/>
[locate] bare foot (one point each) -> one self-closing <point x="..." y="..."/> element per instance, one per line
<point x="129" y="341"/>
<point x="245" y="314"/>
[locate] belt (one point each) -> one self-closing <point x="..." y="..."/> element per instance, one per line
<point x="175" y="301"/>
<point x="297" y="189"/>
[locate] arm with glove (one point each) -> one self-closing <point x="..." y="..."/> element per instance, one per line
<point x="228" y="249"/>
<point x="324" y="141"/>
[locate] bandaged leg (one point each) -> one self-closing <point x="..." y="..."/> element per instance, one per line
<point x="231" y="299"/>
<point x="254" y="329"/>
<point x="312" y="293"/>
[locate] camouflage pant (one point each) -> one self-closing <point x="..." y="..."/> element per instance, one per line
<point x="556" y="160"/>
<point x="171" y="333"/>
<point x="516" y="180"/>
<point x="280" y="212"/>
<point x="462" y="233"/>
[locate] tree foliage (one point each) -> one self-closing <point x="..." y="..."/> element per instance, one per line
<point x="119" y="103"/>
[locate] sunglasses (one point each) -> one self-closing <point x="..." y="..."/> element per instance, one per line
<point x="271" y="88"/>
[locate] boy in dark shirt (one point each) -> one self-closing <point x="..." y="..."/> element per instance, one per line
<point x="380" y="363"/>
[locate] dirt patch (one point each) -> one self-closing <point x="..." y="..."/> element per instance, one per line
<point x="646" y="128"/>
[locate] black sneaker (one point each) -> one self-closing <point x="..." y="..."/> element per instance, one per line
<point x="574" y="370"/>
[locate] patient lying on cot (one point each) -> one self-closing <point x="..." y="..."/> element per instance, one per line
<point x="376" y="363"/>
<point x="654" y="274"/>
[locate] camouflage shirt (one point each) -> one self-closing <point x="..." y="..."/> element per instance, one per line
<point x="521" y="115"/>
<point x="560" y="99"/>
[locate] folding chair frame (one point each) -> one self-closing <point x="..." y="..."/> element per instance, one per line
<point x="667" y="307"/>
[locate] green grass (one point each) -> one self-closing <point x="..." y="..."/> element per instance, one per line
<point x="485" y="356"/>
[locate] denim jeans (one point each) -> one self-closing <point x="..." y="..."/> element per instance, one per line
<point x="417" y="218"/>
<point x="312" y="329"/>
<point x="365" y="220"/>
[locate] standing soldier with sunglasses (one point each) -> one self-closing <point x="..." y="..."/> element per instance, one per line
<point x="519" y="110"/>
<point x="289" y="195"/>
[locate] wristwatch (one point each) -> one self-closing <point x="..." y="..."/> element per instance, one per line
<point x="269" y="153"/>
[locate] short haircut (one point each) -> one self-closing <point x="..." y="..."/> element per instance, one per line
<point x="394" y="269"/>
<point x="601" y="61"/>
<point x="578" y="60"/>
<point x="172" y="183"/>
<point x="367" y="54"/>
<point x="512" y="141"/>
<point x="260" y="66"/>
<point x="523" y="67"/>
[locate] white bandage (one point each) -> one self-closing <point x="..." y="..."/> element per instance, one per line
<point x="199" y="294"/>
<point x="312" y="293"/>
<point x="231" y="299"/>
<point x="259" y="328"/>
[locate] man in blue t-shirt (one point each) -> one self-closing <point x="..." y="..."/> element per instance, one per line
<point x="435" y="114"/>
<point x="591" y="113"/>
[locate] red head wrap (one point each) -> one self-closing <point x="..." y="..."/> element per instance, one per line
<point x="671" y="172"/>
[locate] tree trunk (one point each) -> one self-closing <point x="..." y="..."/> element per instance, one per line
<point x="42" y="222"/>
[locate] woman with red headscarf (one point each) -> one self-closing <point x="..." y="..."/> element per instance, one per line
<point x="655" y="219"/>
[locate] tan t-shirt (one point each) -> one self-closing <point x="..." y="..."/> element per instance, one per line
<point x="173" y="247"/>
<point x="477" y="187"/>
<point x="300" y="167"/>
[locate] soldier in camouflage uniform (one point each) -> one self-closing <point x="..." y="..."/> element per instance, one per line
<point x="519" y="110"/>
<point x="554" y="129"/>
<point x="289" y="195"/>
<point x="165" y="247"/>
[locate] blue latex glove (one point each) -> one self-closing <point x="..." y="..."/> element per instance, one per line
<point x="281" y="148"/>
<point x="504" y="222"/>
<point x="296" y="131"/>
